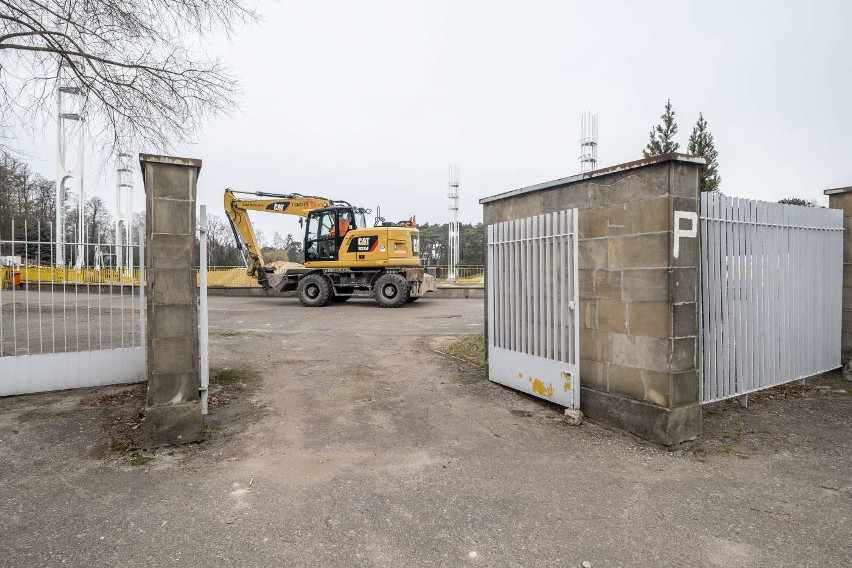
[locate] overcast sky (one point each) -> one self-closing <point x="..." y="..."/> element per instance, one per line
<point x="370" y="101"/>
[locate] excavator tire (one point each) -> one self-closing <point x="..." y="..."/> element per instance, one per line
<point x="315" y="291"/>
<point x="391" y="291"/>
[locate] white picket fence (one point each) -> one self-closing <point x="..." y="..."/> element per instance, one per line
<point x="771" y="287"/>
<point x="69" y="327"/>
<point x="533" y="319"/>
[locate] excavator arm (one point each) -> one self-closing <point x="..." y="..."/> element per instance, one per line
<point x="238" y="208"/>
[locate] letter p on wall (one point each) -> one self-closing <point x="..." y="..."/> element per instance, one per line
<point x="680" y="232"/>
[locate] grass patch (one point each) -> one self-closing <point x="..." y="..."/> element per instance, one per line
<point x="226" y="377"/>
<point x="468" y="348"/>
<point x="137" y="458"/>
<point x="235" y="379"/>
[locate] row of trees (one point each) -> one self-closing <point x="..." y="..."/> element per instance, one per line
<point x="222" y="249"/>
<point x="662" y="141"/>
<point x="434" y="244"/>
<point x="28" y="202"/>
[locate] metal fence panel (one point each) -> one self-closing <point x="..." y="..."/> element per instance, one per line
<point x="771" y="287"/>
<point x="533" y="306"/>
<point x="64" y="327"/>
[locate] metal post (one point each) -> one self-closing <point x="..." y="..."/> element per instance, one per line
<point x="124" y="209"/>
<point x="203" y="338"/>
<point x="453" y="237"/>
<point x="70" y="119"/>
<point x="143" y="307"/>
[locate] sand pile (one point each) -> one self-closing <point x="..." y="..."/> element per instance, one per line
<point x="280" y="266"/>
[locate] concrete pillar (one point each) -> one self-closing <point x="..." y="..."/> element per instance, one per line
<point x="172" y="409"/>
<point x="841" y="198"/>
<point x="638" y="300"/>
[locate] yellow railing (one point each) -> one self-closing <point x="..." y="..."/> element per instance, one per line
<point x="227" y="276"/>
<point x="217" y="276"/>
<point x="472" y="274"/>
<point x="70" y="275"/>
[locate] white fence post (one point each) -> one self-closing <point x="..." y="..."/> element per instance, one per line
<point x="203" y="337"/>
<point x="143" y="308"/>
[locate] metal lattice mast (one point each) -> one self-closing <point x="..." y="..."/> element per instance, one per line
<point x="70" y="160"/>
<point x="453" y="250"/>
<point x="124" y="211"/>
<point x="588" y="142"/>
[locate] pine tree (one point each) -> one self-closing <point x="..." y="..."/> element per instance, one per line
<point x="662" y="135"/>
<point x="701" y="144"/>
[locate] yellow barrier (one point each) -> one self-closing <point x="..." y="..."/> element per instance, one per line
<point x="69" y="275"/>
<point x="217" y="276"/>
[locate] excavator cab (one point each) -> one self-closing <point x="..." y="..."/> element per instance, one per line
<point x="326" y="229"/>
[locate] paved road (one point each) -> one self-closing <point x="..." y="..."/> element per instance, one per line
<point x="376" y="451"/>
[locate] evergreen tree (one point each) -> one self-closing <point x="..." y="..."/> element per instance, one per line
<point x="662" y="135"/>
<point x="701" y="144"/>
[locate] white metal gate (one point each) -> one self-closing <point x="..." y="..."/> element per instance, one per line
<point x="533" y="319"/>
<point x="771" y="286"/>
<point x="64" y="327"/>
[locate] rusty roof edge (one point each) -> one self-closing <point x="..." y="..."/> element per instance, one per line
<point x="837" y="190"/>
<point x="596" y="173"/>
<point x="174" y="160"/>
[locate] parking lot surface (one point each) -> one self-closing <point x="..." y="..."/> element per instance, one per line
<point x="352" y="442"/>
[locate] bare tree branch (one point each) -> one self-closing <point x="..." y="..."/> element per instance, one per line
<point x="142" y="82"/>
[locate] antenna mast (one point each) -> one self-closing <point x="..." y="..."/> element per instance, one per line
<point x="588" y="142"/>
<point x="453" y="249"/>
<point x="124" y="211"/>
<point x="69" y="169"/>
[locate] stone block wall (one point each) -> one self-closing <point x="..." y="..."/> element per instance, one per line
<point x="637" y="300"/>
<point x="173" y="411"/>
<point x="841" y="198"/>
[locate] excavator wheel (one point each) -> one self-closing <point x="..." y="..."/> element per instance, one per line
<point x="391" y="291"/>
<point x="315" y="291"/>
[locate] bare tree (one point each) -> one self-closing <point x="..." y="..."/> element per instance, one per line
<point x="221" y="246"/>
<point x="143" y="80"/>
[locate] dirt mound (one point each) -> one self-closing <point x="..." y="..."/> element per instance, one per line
<point x="280" y="265"/>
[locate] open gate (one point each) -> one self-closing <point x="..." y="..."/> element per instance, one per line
<point x="533" y="306"/>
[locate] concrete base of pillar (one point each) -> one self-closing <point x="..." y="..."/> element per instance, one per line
<point x="667" y="426"/>
<point x="169" y="425"/>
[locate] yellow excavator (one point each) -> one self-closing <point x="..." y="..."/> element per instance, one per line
<point x="344" y="256"/>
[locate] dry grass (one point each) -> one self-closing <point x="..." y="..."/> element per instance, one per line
<point x="468" y="348"/>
